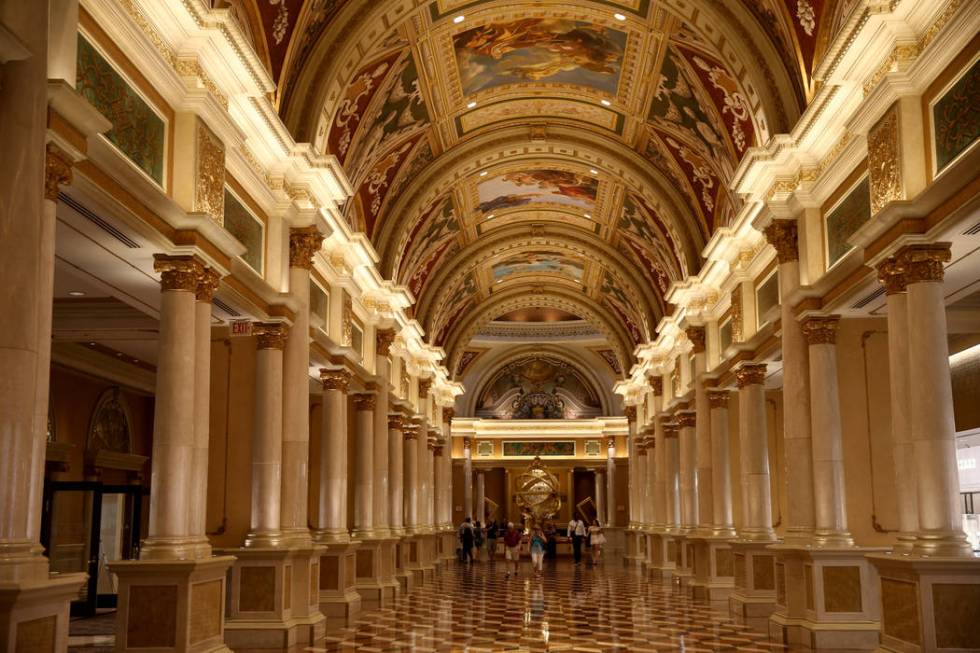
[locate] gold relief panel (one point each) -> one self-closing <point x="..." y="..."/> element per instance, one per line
<point x="957" y="610"/>
<point x="900" y="610"/>
<point x="842" y="589"/>
<point x="206" y="611"/>
<point x="347" y="321"/>
<point x="884" y="162"/>
<point x="209" y="187"/>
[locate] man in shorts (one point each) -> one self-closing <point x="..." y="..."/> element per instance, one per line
<point x="512" y="547"/>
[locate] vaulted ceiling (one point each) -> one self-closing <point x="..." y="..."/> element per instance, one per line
<point x="568" y="156"/>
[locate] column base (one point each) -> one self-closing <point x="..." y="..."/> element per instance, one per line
<point x="829" y="599"/>
<point x="427" y="555"/>
<point x="34" y="613"/>
<point x="635" y="547"/>
<point x="684" y="567"/>
<point x="928" y="604"/>
<point x="403" y="570"/>
<point x="714" y="567"/>
<point x="375" y="573"/>
<point x="753" y="598"/>
<point x="663" y="556"/>
<point x="306" y="595"/>
<point x="171" y="605"/>
<point x="339" y="601"/>
<point x="448" y="544"/>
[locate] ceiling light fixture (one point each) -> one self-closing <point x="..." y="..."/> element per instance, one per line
<point x="605" y="103"/>
<point x="76" y="293"/>
<point x="588" y="215"/>
<point x="459" y="19"/>
<point x="483" y="173"/>
<point x="593" y="171"/>
<point x="489" y="216"/>
<point x="619" y="16"/>
<point x="470" y="105"/>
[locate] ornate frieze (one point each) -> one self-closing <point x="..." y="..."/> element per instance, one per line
<point x="891" y="274"/>
<point x="884" y="162"/>
<point x="209" y="185"/>
<point x="270" y="335"/>
<point x="304" y="242"/>
<point x="335" y="379"/>
<point x="178" y="272"/>
<point x="782" y="235"/>
<point x="821" y="330"/>
<point x="57" y="171"/>
<point x="752" y="374"/>
<point x="925" y="262"/>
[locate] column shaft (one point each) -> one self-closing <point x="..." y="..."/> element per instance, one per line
<point x="467" y="478"/>
<point x="422" y="491"/>
<point x="364" y="470"/>
<point x="650" y="476"/>
<point x="721" y="473"/>
<point x="206" y="286"/>
<point x="396" y="474"/>
<point x="411" y="477"/>
<point x="332" y="500"/>
<point x="611" y="482"/>
<point x="481" y="506"/>
<point x="688" y="470"/>
<point x="754" y="445"/>
<point x="672" y="475"/>
<point x="703" y="484"/>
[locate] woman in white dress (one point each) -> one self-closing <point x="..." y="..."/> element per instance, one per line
<point x="597" y="539"/>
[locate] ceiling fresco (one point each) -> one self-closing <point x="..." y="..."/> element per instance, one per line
<point x="573" y="155"/>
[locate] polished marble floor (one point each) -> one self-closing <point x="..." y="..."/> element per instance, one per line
<point x="581" y="609"/>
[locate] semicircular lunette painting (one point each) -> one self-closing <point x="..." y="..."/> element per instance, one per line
<point x="523" y="187"/>
<point x="538" y="263"/>
<point x="542" y="50"/>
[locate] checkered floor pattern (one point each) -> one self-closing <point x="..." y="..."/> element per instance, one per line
<point x="609" y="608"/>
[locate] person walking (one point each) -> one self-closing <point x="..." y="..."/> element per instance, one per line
<point x="551" y="550"/>
<point x="577" y="532"/>
<point x="465" y="534"/>
<point x="477" y="541"/>
<point x="596" y="539"/>
<point x="538" y="541"/>
<point x="492" y="532"/>
<point x="512" y="548"/>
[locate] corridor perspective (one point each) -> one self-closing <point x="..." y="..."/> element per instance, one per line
<point x="315" y="314"/>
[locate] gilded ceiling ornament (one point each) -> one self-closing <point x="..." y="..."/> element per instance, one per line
<point x="424" y="385"/>
<point x="884" y="162"/>
<point x="304" y="242"/>
<point x="347" y="321"/>
<point x="696" y="335"/>
<point x="209" y="189"/>
<point x="384" y="338"/>
<point x="57" y="171"/>
<point x="924" y="262"/>
<point x="737" y="325"/>
<point x="782" y="235"/>
<point x="806" y="16"/>
<point x="752" y="374"/>
<point x="177" y="272"/>
<point x="718" y="398"/>
<point x="891" y="274"/>
<point x="207" y="284"/>
<point x="365" y="401"/>
<point x="335" y="379"/>
<point x="821" y="330"/>
<point x="270" y="335"/>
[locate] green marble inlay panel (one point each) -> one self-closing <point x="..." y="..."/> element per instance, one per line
<point x="955" y="118"/>
<point x="247" y="229"/>
<point x="847" y="218"/>
<point x="137" y="131"/>
<point x="320" y="304"/>
<point x="539" y="448"/>
<point x="766" y="298"/>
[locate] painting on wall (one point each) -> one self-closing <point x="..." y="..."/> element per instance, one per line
<point x="247" y="229"/>
<point x="523" y="187"/>
<point x="955" y="118"/>
<point x="547" y="50"/>
<point x="846" y="218"/>
<point x="539" y="448"/>
<point x="538" y="263"/>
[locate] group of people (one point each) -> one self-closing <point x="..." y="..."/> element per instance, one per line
<point x="540" y="541"/>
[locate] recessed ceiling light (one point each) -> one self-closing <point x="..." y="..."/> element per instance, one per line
<point x="489" y="216"/>
<point x="470" y="105"/>
<point x="76" y="293"/>
<point x="588" y="215"/>
<point x="459" y="19"/>
<point x="605" y="103"/>
<point x="483" y="173"/>
<point x="593" y="171"/>
<point x="91" y="344"/>
<point x="619" y="16"/>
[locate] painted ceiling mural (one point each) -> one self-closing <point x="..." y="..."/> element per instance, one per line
<point x="607" y="130"/>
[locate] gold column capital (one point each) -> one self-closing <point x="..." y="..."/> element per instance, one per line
<point x="178" y="272"/>
<point x="671" y="429"/>
<point x="424" y="385"/>
<point x="365" y="401"/>
<point x="751" y="374"/>
<point x="657" y="384"/>
<point x="782" y="234"/>
<point x="448" y="414"/>
<point x="57" y="171"/>
<point x="411" y="430"/>
<point x="718" y="398"/>
<point x="335" y="379"/>
<point x="687" y="419"/>
<point x="892" y="275"/>
<point x="383" y="340"/>
<point x="924" y="263"/>
<point x="304" y="242"/>
<point x="271" y="335"/>
<point x="207" y="284"/>
<point x="395" y="422"/>
<point x="821" y="330"/>
<point x="696" y="335"/>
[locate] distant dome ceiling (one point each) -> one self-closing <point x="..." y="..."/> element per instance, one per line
<point x="537" y="314"/>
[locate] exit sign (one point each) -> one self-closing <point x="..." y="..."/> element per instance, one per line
<point x="241" y="328"/>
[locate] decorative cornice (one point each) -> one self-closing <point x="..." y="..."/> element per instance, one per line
<point x="178" y="272"/>
<point x="718" y="398"/>
<point x="207" y="284"/>
<point x="335" y="379"/>
<point x="891" y="274"/>
<point x="924" y="263"/>
<point x="365" y="401"/>
<point x="782" y="234"/>
<point x="383" y="340"/>
<point x="751" y="374"/>
<point x="304" y="242"/>
<point x="696" y="335"/>
<point x="57" y="171"/>
<point x="270" y="335"/>
<point x="821" y="330"/>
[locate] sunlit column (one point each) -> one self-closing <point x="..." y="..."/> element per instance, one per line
<point x="672" y="475"/>
<point x="396" y="473"/>
<point x="332" y="501"/>
<point x="659" y="456"/>
<point x="754" y="450"/>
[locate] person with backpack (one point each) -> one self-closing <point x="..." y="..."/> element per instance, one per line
<point x="465" y="535"/>
<point x="512" y="547"/>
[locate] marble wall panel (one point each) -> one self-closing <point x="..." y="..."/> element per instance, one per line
<point x="957" y="610"/>
<point x="842" y="588"/>
<point x="36" y="635"/>
<point x="152" y="616"/>
<point x="206" y="610"/>
<point x="257" y="589"/>
<point x="900" y="610"/>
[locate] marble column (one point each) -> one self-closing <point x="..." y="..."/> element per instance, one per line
<point x="382" y="444"/>
<point x="754" y="450"/>
<point x="447" y="462"/>
<point x="830" y="526"/>
<point x="672" y="475"/>
<point x="467" y="477"/>
<point x="206" y="286"/>
<point x="721" y="473"/>
<point x="411" y="434"/>
<point x="439" y="456"/>
<point x="303" y="244"/>
<point x="481" y="506"/>
<point x="703" y="479"/>
<point x="424" y="481"/>
<point x="782" y="234"/>
<point x="650" y="476"/>
<point x="332" y="501"/>
<point x="892" y="276"/>
<point x="611" y="482"/>
<point x="659" y="470"/>
<point x="430" y="484"/>
<point x="396" y="474"/>
<point x="265" y="530"/>
<point x="600" y="496"/>
<point x="364" y="467"/>
<point x="687" y="421"/>
<point x="631" y="455"/>
<point x="931" y="424"/>
<point x="174" y="416"/>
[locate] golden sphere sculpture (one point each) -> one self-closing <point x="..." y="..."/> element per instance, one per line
<point x="537" y="492"/>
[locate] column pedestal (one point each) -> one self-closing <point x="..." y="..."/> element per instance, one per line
<point x="840" y="597"/>
<point x="375" y="573"/>
<point x="339" y="600"/>
<point x="663" y="556"/>
<point x="714" y="567"/>
<point x="403" y="565"/>
<point x="35" y="613"/>
<point x="634" y="546"/>
<point x="427" y="548"/>
<point x="412" y="559"/>
<point x="928" y="603"/>
<point x="447" y="539"/>
<point x="753" y="598"/>
<point x="684" y="565"/>
<point x="171" y="605"/>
